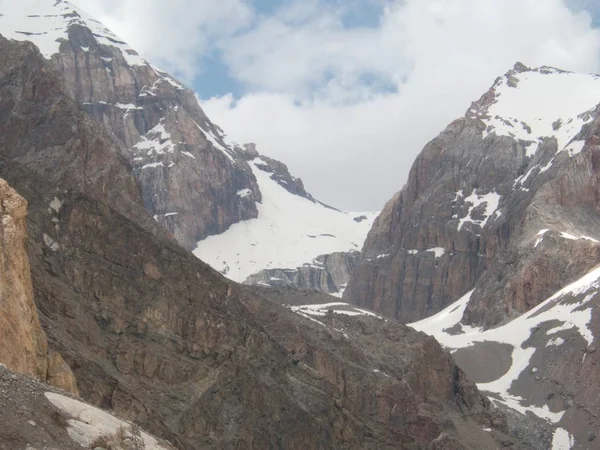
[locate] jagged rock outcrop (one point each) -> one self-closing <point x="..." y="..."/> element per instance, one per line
<point x="327" y="273"/>
<point x="158" y="337"/>
<point x="478" y="200"/>
<point x="279" y="171"/>
<point x="24" y="347"/>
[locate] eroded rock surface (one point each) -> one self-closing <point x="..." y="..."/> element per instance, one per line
<point x="36" y="417"/>
<point x="24" y="346"/>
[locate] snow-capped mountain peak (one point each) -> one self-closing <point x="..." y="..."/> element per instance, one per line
<point x="248" y="212"/>
<point x="532" y="104"/>
<point x="46" y="23"/>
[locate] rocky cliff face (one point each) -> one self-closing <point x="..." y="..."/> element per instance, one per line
<point x="194" y="181"/>
<point x="327" y="273"/>
<point x="24" y="346"/>
<point x="502" y="201"/>
<point x="160" y="338"/>
<point x="42" y="128"/>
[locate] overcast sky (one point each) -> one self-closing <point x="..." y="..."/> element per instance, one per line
<point x="347" y="92"/>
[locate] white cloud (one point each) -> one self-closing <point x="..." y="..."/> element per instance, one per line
<point x="349" y="109"/>
<point x="355" y="150"/>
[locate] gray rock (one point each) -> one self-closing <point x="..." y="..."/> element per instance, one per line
<point x="327" y="273"/>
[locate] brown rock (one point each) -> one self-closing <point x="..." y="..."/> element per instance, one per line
<point x="59" y="374"/>
<point x="24" y="347"/>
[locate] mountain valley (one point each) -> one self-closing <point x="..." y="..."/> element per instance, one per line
<point x="156" y="274"/>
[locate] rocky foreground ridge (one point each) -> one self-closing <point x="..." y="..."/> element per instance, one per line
<point x="158" y="337"/>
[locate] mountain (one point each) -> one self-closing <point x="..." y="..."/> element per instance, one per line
<point x="493" y="247"/>
<point x="155" y="335"/>
<point x="503" y="201"/>
<point x="289" y="231"/>
<point x="194" y="180"/>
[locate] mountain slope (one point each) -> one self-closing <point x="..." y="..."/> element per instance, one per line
<point x="194" y="181"/>
<point x="543" y="362"/>
<point x="289" y="231"/>
<point x="37" y="417"/>
<point x="479" y="196"/>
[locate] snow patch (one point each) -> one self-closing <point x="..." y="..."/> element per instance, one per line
<point x="491" y="201"/>
<point x="562" y="440"/>
<point x="332" y="308"/>
<point x="243" y="193"/>
<point x="88" y="423"/>
<point x="289" y="231"/>
<point x="188" y="154"/>
<point x="438" y="251"/>
<point x="555" y="342"/>
<point x="157" y="141"/>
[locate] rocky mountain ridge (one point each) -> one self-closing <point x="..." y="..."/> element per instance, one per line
<point x="477" y="198"/>
<point x="194" y="181"/>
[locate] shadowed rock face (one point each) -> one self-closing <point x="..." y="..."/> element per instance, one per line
<point x="24" y="346"/>
<point x="160" y="338"/>
<point x="470" y="216"/>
